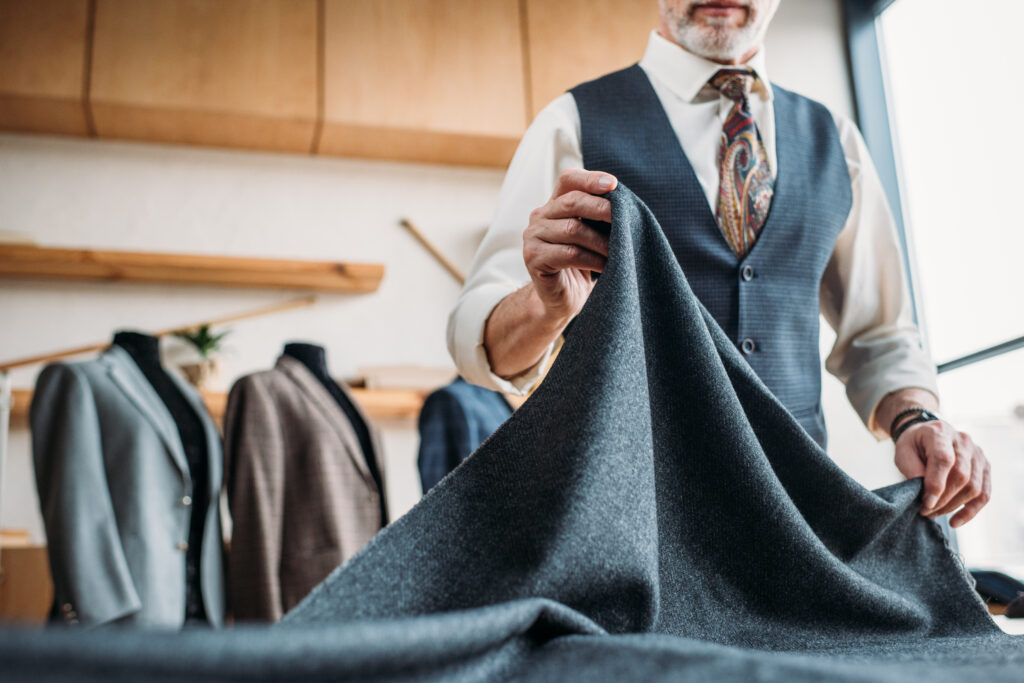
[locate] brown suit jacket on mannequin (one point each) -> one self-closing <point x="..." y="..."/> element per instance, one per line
<point x="301" y="497"/>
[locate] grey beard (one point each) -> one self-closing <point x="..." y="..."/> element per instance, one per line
<point x="713" y="42"/>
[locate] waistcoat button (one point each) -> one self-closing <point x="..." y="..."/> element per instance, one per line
<point x="747" y="346"/>
<point x="747" y="273"/>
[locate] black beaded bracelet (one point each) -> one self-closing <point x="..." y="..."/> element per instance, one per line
<point x="924" y="416"/>
<point x="908" y="411"/>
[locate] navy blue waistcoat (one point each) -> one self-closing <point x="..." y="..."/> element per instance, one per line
<point x="766" y="302"/>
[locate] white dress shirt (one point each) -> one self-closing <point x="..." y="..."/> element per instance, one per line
<point x="864" y="294"/>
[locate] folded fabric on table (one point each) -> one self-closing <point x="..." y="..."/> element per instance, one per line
<point x="651" y="512"/>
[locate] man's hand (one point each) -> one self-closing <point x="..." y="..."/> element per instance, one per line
<point x="954" y="468"/>
<point x="560" y="250"/>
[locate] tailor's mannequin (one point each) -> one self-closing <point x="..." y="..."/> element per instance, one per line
<point x="145" y="351"/>
<point x="315" y="359"/>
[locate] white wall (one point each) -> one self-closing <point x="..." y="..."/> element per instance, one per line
<point x="69" y="192"/>
<point x="84" y="193"/>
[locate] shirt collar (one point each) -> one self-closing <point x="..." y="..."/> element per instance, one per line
<point x="686" y="74"/>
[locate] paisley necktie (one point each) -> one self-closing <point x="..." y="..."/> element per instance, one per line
<point x="745" y="182"/>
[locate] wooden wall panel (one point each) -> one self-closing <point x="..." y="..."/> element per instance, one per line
<point x="424" y="80"/>
<point x="572" y="41"/>
<point x="438" y="81"/>
<point x="234" y="73"/>
<point x="42" y="65"/>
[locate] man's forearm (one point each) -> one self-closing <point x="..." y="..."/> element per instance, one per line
<point x="518" y="332"/>
<point x="892" y="404"/>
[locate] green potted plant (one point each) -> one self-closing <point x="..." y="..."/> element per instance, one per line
<point x="207" y="344"/>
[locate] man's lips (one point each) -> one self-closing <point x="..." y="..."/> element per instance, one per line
<point x="720" y="8"/>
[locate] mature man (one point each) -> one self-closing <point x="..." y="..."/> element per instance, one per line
<point x="773" y="209"/>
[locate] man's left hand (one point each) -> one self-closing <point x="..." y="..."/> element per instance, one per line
<point x="955" y="470"/>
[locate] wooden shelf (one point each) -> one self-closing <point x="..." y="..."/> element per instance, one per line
<point x="106" y="266"/>
<point x="26" y="592"/>
<point x="391" y="404"/>
<point x="379" y="404"/>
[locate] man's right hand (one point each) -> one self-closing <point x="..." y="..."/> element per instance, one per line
<point x="560" y="250"/>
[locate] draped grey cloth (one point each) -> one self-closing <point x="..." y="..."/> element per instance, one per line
<point x="652" y="512"/>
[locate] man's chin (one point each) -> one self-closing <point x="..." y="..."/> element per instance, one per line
<point x="714" y="48"/>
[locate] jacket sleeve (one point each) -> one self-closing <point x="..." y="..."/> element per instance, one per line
<point x="255" y="489"/>
<point x="92" y="582"/>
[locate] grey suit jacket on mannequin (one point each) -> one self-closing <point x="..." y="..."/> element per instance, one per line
<point x="302" y="499"/>
<point x="115" y="493"/>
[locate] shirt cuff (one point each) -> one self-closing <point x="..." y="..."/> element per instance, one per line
<point x="470" y="355"/>
<point x="906" y="368"/>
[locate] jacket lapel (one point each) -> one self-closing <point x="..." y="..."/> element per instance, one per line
<point x="126" y="374"/>
<point x="338" y="421"/>
<point x="375" y="440"/>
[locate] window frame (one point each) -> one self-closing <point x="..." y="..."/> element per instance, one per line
<point x="865" y="48"/>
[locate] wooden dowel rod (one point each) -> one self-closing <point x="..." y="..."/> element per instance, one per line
<point x="434" y="251"/>
<point x="301" y="302"/>
<point x="53" y="356"/>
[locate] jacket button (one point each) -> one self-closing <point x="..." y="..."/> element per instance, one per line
<point x="747" y="346"/>
<point x="182" y="546"/>
<point x="747" y="273"/>
<point x="186" y="501"/>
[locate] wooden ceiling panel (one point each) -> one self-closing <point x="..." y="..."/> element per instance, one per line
<point x="236" y="73"/>
<point x="572" y="41"/>
<point x="430" y="80"/>
<point x="43" y="48"/>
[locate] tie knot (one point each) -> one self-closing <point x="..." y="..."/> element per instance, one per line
<point x="733" y="83"/>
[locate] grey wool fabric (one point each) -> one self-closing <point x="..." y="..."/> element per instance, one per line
<point x="651" y="513"/>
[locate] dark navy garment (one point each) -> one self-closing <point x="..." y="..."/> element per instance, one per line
<point x="767" y="302"/>
<point x="454" y="421"/>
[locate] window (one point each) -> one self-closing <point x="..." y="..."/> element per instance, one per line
<point x="954" y="102"/>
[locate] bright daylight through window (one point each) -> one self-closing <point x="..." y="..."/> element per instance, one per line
<point x="954" y="98"/>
